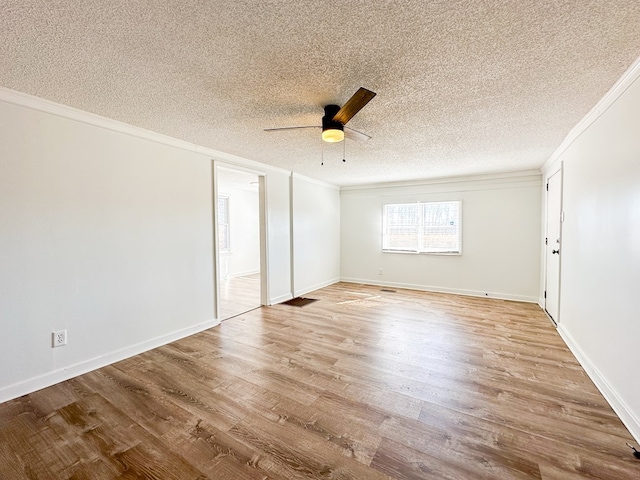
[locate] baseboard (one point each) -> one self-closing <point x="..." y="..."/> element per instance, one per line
<point x="624" y="413"/>
<point x="245" y="274"/>
<point x="305" y="290"/>
<point x="455" y="291"/>
<point x="42" y="381"/>
<point x="280" y="299"/>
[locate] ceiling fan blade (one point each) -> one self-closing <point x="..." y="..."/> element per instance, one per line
<point x="290" y="128"/>
<point x="353" y="105"/>
<point x="352" y="134"/>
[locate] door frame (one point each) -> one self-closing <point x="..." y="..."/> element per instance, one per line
<point x="262" y="226"/>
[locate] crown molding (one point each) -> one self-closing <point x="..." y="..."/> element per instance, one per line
<point x="71" y="113"/>
<point x="628" y="78"/>
<point x="527" y="178"/>
<point x="297" y="176"/>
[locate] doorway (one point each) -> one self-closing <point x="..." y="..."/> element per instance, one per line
<point x="553" y="246"/>
<point x="238" y="230"/>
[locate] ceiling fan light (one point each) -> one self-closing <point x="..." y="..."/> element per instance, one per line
<point x="332" y="135"/>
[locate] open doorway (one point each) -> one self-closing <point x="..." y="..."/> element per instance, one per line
<point x="238" y="241"/>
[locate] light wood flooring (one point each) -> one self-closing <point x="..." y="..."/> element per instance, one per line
<point x="239" y="295"/>
<point x="362" y="384"/>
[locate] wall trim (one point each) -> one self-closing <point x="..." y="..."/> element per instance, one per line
<point x="627" y="79"/>
<point x="51" y="378"/>
<point x="494" y="177"/>
<point x="608" y="392"/>
<point x="297" y="176"/>
<point x="523" y="179"/>
<point x="317" y="286"/>
<point x="280" y="299"/>
<point x="454" y="291"/>
<point x="71" y="113"/>
<point x="246" y="273"/>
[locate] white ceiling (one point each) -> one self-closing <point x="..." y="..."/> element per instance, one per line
<point x="464" y="87"/>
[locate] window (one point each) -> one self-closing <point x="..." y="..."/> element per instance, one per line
<point x="224" y="243"/>
<point x="432" y="227"/>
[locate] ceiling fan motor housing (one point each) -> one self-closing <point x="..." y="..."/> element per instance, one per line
<point x="328" y="123"/>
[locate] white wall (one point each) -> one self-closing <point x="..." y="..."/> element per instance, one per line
<point x="600" y="276"/>
<point x="278" y="247"/>
<point x="103" y="234"/>
<point x="500" y="237"/>
<point x="316" y="234"/>
<point x="106" y="230"/>
<point x="244" y="226"/>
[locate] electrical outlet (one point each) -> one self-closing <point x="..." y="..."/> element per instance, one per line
<point x="59" y="338"/>
<point x="379" y="271"/>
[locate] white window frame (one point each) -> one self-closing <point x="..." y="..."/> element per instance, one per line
<point x="419" y="247"/>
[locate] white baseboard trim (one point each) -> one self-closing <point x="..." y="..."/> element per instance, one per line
<point x="305" y="290"/>
<point x="624" y="413"/>
<point x="280" y="299"/>
<point x="455" y="291"/>
<point x="245" y="274"/>
<point x="51" y="378"/>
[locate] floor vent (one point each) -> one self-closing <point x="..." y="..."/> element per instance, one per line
<point x="388" y="290"/>
<point x="300" y="301"/>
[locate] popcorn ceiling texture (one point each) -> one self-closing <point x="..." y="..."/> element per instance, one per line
<point x="464" y="87"/>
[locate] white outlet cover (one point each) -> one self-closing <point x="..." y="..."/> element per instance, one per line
<point x="59" y="338"/>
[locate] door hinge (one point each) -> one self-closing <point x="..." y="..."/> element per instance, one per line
<point x="546" y="241"/>
<point x="545" y="294"/>
<point x="547" y="186"/>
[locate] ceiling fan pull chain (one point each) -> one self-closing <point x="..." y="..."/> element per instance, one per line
<point x="344" y="150"/>
<point x="321" y="152"/>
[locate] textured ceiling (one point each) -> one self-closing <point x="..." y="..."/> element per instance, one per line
<point x="464" y="87"/>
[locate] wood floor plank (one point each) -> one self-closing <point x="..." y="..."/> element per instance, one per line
<point x="239" y="294"/>
<point x="404" y="463"/>
<point x="361" y="384"/>
<point x="301" y="454"/>
<point x="221" y="456"/>
<point x="119" y="441"/>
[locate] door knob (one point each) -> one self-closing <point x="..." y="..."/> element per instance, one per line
<point x="555" y="251"/>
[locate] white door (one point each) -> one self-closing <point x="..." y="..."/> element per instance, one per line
<point x="553" y="250"/>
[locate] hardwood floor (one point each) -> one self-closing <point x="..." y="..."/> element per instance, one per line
<point x="239" y="295"/>
<point x="362" y="384"/>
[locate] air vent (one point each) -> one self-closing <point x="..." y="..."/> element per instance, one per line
<point x="300" y="301"/>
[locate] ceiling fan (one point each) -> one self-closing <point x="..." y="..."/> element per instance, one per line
<point x="335" y="119"/>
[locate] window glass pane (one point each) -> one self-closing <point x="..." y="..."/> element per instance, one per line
<point x="402" y="226"/>
<point x="223" y="224"/>
<point x="223" y="210"/>
<point x="440" y="227"/>
<point x="223" y="237"/>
